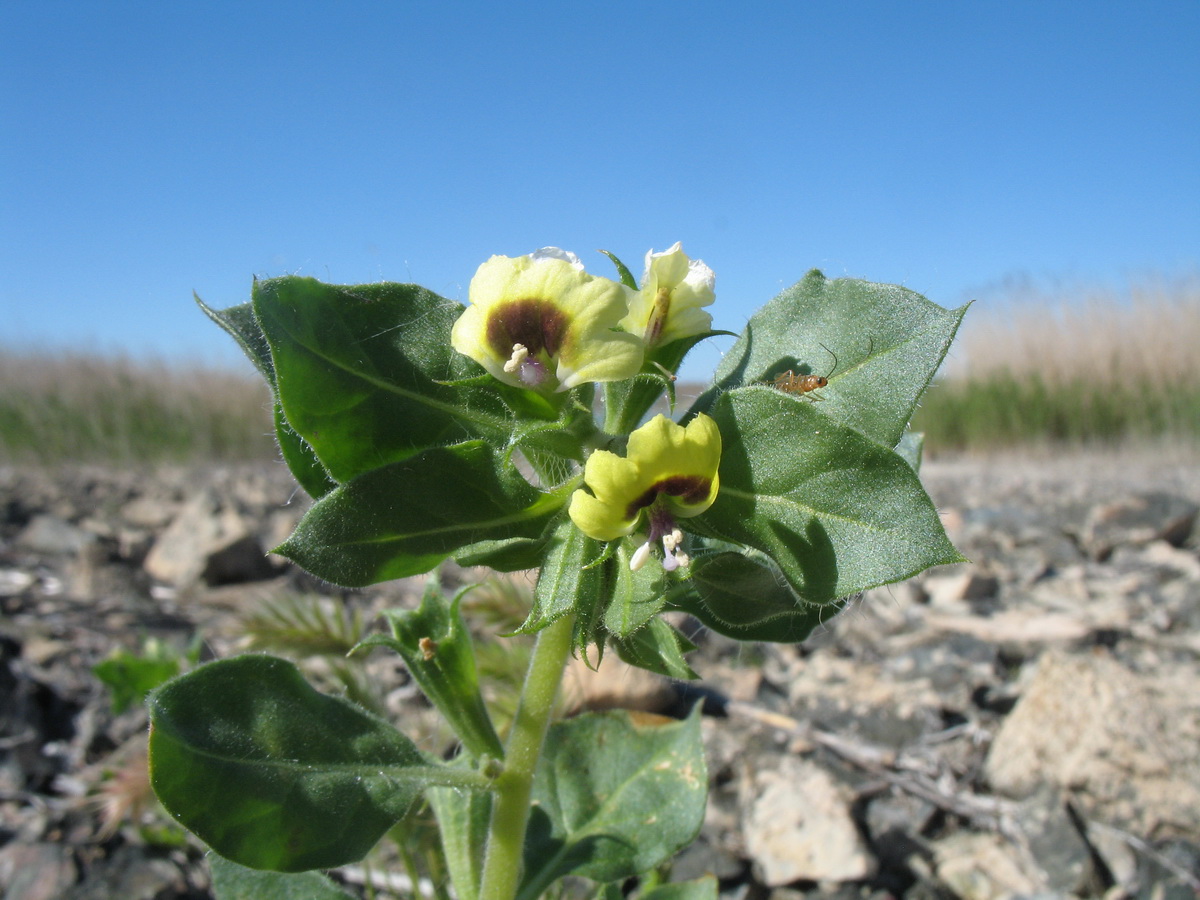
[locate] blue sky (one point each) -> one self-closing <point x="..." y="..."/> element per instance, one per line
<point x="151" y="149"/>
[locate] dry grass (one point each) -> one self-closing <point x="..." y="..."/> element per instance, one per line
<point x="1150" y="336"/>
<point x="1077" y="366"/>
<point x="59" y="406"/>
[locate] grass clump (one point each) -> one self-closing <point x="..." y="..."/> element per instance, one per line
<point x="1075" y="368"/>
<point x="78" y="407"/>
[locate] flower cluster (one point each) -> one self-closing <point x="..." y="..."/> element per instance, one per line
<point x="542" y="323"/>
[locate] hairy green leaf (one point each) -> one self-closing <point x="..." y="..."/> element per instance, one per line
<point x="748" y="599"/>
<point x="616" y="793"/>
<point x="300" y="458"/>
<point x="404" y="518"/>
<point x="272" y="774"/>
<point x="240" y="324"/>
<point x="636" y="596"/>
<point x="878" y="344"/>
<point x="659" y="648"/>
<point x="233" y="882"/>
<point x="836" y="511"/>
<point x="363" y="372"/>
<point x="463" y="818"/>
<point x="508" y="555"/>
<point x="572" y="578"/>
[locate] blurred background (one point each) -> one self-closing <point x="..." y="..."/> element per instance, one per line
<point x="1042" y="160"/>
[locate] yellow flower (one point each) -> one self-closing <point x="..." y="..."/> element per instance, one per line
<point x="668" y="472"/>
<point x="540" y="321"/>
<point x="668" y="306"/>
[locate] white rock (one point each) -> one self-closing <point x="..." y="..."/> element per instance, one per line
<point x="1123" y="742"/>
<point x="798" y="826"/>
<point x="204" y="532"/>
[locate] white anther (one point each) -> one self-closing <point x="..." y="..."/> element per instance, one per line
<point x="672" y="540"/>
<point x="519" y="354"/>
<point x="640" y="555"/>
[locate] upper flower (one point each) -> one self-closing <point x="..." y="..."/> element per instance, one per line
<point x="541" y="321"/>
<point x="668" y="471"/>
<point x="668" y="306"/>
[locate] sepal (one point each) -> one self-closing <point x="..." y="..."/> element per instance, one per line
<point x="436" y="647"/>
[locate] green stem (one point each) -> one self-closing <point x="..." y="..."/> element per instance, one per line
<point x="510" y="810"/>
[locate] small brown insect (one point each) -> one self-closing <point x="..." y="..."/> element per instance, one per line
<point x="804" y="385"/>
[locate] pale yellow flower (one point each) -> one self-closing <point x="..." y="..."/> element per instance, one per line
<point x="540" y="321"/>
<point x="669" y="472"/>
<point x="668" y="307"/>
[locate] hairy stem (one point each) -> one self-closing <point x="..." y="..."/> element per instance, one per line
<point x="510" y="810"/>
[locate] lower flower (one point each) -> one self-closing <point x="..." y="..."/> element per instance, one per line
<point x="669" y="472"/>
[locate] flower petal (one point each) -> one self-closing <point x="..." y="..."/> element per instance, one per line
<point x="665" y="464"/>
<point x="563" y="316"/>
<point x="674" y="288"/>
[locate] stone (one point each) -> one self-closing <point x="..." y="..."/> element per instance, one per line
<point x="53" y="536"/>
<point x="971" y="587"/>
<point x="884" y="703"/>
<point x="14" y="582"/>
<point x="206" y="540"/>
<point x="149" y="512"/>
<point x="1121" y="742"/>
<point x="1054" y="843"/>
<point x="1139" y="519"/>
<point x="798" y="825"/>
<point x="36" y="871"/>
<point x="984" y="867"/>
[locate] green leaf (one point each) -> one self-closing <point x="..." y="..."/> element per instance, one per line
<point x="436" y="647"/>
<point x="748" y="599"/>
<point x="241" y="325"/>
<point x="888" y="342"/>
<point x="301" y="458"/>
<point x="615" y="794"/>
<point x="362" y="372"/>
<point x="636" y="596"/>
<point x="508" y="555"/>
<point x="837" y="512"/>
<point x="404" y="518"/>
<point x="701" y="889"/>
<point x="272" y="774"/>
<point x="626" y="403"/>
<point x="131" y="676"/>
<point x="623" y="273"/>
<point x="233" y="882"/>
<point x="571" y="578"/>
<point x="657" y="648"/>
<point x="463" y="818"/>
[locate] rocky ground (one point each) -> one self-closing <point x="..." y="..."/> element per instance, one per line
<point x="1026" y="725"/>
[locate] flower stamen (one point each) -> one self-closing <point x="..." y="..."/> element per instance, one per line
<point x="673" y="557"/>
<point x="529" y="369"/>
<point x="519" y="354"/>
